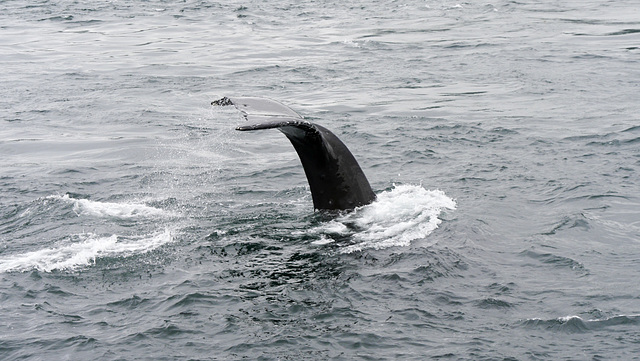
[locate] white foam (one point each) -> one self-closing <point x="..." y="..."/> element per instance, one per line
<point x="323" y="240"/>
<point x="83" y="250"/>
<point x="335" y="227"/>
<point x="397" y="217"/>
<point x="110" y="209"/>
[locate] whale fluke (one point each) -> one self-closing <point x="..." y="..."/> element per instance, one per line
<point x="335" y="178"/>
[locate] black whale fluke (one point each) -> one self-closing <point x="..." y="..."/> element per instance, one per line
<point x="335" y="178"/>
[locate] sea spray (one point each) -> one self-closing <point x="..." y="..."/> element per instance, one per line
<point x="82" y="250"/>
<point x="398" y="216"/>
<point x="111" y="209"/>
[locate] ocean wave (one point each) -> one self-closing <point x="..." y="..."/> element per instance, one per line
<point x="83" y="250"/>
<point x="399" y="216"/>
<point x="554" y="260"/>
<point x="111" y="209"/>
<point x="576" y="324"/>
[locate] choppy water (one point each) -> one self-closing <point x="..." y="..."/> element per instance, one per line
<point x="502" y="139"/>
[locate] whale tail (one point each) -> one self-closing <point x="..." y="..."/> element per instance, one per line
<point x="335" y="177"/>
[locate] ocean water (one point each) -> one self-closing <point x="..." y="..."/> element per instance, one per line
<point x="502" y="139"/>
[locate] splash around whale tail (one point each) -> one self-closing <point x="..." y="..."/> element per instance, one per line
<point x="335" y="177"/>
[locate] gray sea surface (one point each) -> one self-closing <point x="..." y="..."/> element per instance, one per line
<point x="502" y="139"/>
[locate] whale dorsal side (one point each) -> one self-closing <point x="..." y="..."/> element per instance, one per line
<point x="335" y="177"/>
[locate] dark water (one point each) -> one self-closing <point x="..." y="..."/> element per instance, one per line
<point x="502" y="139"/>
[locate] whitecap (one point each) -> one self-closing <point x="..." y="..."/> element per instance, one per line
<point x="323" y="240"/>
<point x="111" y="209"/>
<point x="398" y="216"/>
<point x="82" y="250"/>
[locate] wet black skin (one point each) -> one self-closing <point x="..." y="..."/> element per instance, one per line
<point x="335" y="178"/>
